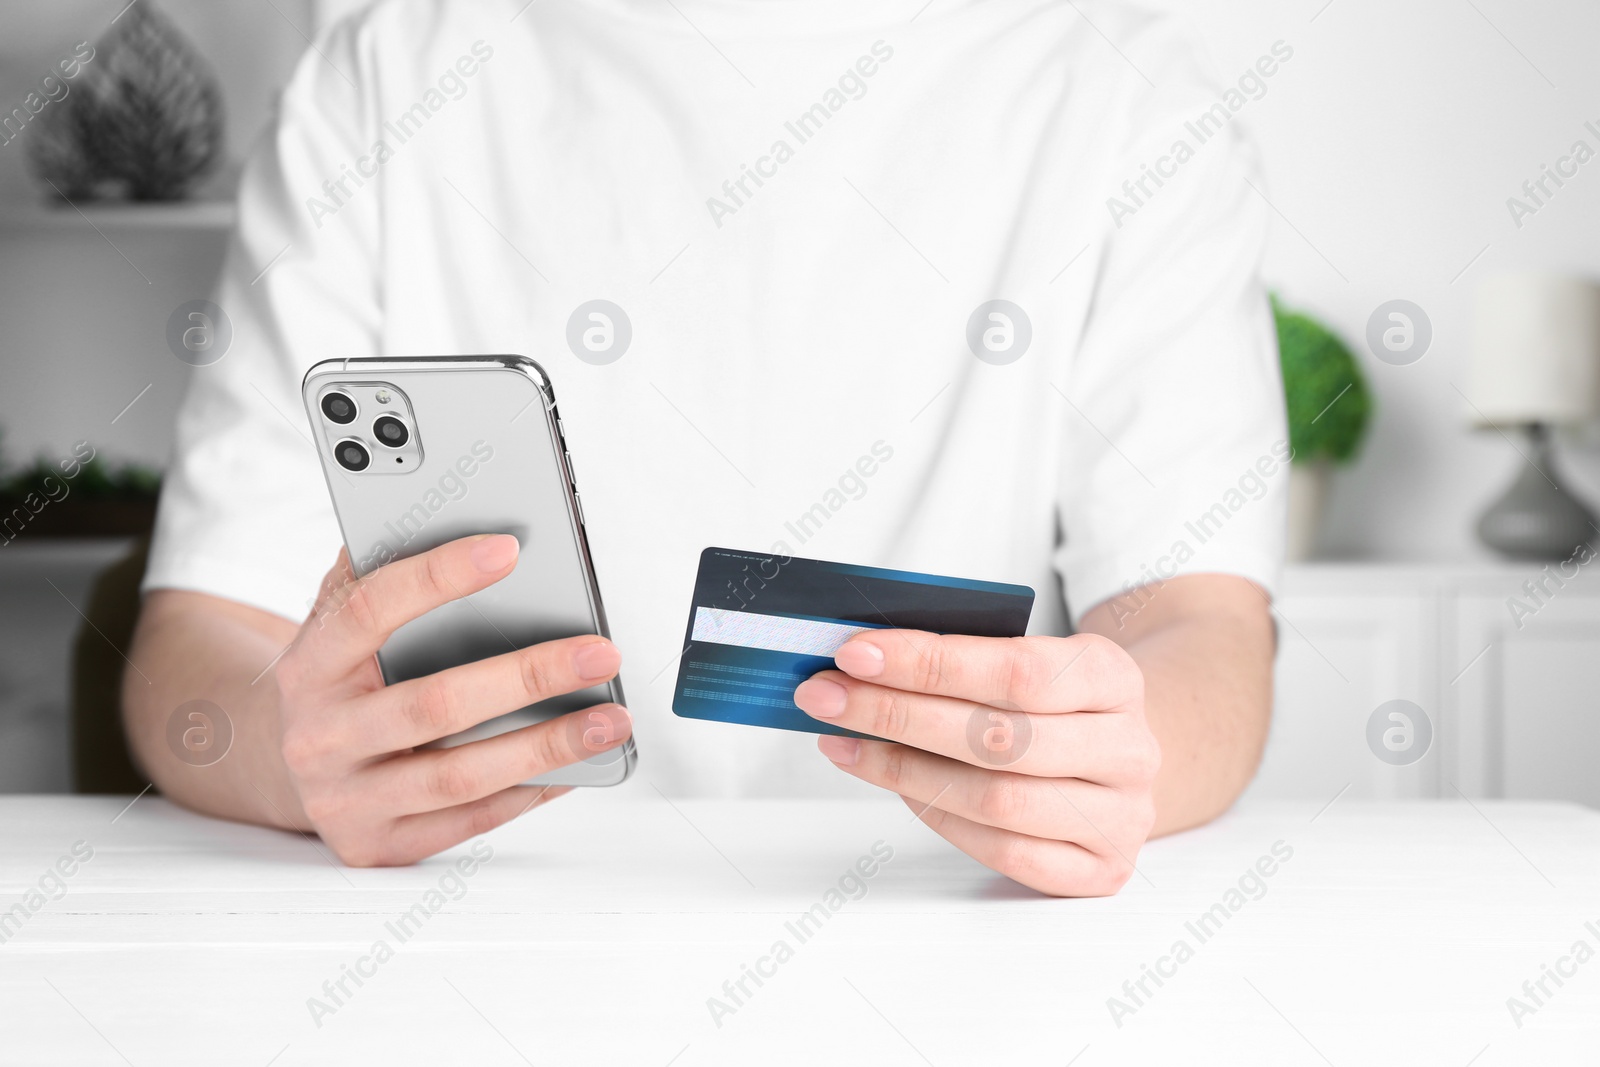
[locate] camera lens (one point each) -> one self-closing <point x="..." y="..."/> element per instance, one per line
<point x="339" y="407"/>
<point x="352" y="455"/>
<point x="390" y="431"/>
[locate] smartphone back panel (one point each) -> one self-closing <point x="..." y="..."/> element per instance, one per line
<point x="480" y="450"/>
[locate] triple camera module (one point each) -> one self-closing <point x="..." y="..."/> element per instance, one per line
<point x="386" y="444"/>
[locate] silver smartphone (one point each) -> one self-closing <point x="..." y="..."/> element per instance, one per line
<point x="418" y="451"/>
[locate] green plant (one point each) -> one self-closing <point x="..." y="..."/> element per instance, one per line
<point x="95" y="480"/>
<point x="1323" y="388"/>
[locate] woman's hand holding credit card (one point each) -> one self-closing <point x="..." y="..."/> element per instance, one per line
<point x="1030" y="754"/>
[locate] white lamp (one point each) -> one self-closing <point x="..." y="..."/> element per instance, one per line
<point x="1536" y="363"/>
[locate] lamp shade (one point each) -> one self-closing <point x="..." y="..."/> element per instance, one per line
<point x="1535" y="350"/>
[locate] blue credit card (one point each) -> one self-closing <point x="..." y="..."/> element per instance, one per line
<point x="761" y="624"/>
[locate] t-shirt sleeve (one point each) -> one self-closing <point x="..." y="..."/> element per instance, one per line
<point x="1175" y="441"/>
<point x="244" y="510"/>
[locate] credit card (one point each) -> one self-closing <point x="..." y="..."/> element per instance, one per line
<point x="761" y="624"/>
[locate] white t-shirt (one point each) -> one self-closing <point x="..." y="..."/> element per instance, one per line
<point x="451" y="176"/>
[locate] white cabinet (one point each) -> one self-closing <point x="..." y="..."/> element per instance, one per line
<point x="1511" y="702"/>
<point x="1344" y="648"/>
<point x="1530" y="717"/>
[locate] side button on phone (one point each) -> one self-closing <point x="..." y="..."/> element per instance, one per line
<point x="578" y="500"/>
<point x="572" y="475"/>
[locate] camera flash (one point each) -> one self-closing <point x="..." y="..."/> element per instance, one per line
<point x="382" y="396"/>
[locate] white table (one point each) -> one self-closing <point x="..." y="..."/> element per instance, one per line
<point x="601" y="926"/>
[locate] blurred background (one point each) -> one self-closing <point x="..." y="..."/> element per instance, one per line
<point x="1412" y="288"/>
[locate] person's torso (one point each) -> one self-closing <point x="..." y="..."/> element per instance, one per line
<point x="798" y="208"/>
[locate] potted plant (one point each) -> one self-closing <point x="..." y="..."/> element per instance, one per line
<point x="144" y="122"/>
<point x="1328" y="405"/>
<point x="80" y="495"/>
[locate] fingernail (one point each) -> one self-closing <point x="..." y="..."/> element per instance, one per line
<point x="604" y="726"/>
<point x="843" y="750"/>
<point x="494" y="552"/>
<point x="820" y="697"/>
<point x="597" y="660"/>
<point x="862" y="659"/>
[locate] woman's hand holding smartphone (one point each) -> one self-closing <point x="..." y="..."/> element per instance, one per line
<point x="352" y="745"/>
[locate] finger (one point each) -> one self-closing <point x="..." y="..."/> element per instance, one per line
<point x="417" y="837"/>
<point x="1085" y="672"/>
<point x="339" y="575"/>
<point x="1107" y="749"/>
<point x="443" y="778"/>
<point x="415" y="712"/>
<point x="1059" y="809"/>
<point x="357" y="617"/>
<point x="1059" y="868"/>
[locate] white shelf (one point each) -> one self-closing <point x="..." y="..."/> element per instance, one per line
<point x="1318" y="577"/>
<point x="203" y="215"/>
<point x="25" y="559"/>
